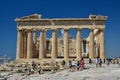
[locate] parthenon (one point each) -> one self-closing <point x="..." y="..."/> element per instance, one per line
<point x="29" y="46"/>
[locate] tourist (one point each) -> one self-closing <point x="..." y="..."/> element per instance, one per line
<point x="32" y="71"/>
<point x="104" y="60"/>
<point x="82" y="64"/>
<point x="107" y="62"/>
<point x="90" y="60"/>
<point x="39" y="69"/>
<point x="73" y="65"/>
<point x="33" y="65"/>
<point x="28" y="70"/>
<point x="63" y="64"/>
<point x="119" y="63"/>
<point x="70" y="65"/>
<point x="100" y="62"/>
<point x="78" y="65"/>
<point x="97" y="62"/>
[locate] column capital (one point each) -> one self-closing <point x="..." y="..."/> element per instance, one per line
<point x="101" y="29"/>
<point x="79" y="29"/>
<point x="45" y="30"/>
<point x="19" y="29"/>
<point x="34" y="30"/>
<point x="66" y="29"/>
<point x="54" y="29"/>
<point x="91" y="29"/>
<point x="42" y="29"/>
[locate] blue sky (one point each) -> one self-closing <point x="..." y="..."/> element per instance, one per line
<point x="10" y="9"/>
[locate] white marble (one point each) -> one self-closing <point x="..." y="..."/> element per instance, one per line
<point x="104" y="73"/>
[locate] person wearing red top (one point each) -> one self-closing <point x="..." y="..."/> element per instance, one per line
<point x="82" y="63"/>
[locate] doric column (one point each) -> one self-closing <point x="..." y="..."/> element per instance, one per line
<point x="102" y="47"/>
<point x="29" y="45"/>
<point x="25" y="44"/>
<point x="22" y="43"/>
<point x="19" y="46"/>
<point x="91" y="44"/>
<point x="54" y="44"/>
<point x="44" y="42"/>
<point x="41" y="45"/>
<point x="66" y="45"/>
<point x="34" y="43"/>
<point x="45" y="39"/>
<point x="78" y="45"/>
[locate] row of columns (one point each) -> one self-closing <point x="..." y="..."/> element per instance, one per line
<point x="30" y="51"/>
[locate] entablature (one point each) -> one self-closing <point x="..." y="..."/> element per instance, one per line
<point x="60" y="23"/>
<point x="35" y="21"/>
<point x="61" y="27"/>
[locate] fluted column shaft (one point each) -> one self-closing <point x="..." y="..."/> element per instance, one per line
<point x="23" y="50"/>
<point x="45" y="39"/>
<point x="91" y="44"/>
<point x="22" y="43"/>
<point x="78" y="45"/>
<point x="54" y="44"/>
<point x="102" y="46"/>
<point x="19" y="46"/>
<point x="44" y="42"/>
<point x="29" y="45"/>
<point x="34" y="41"/>
<point x="66" y="45"/>
<point x="41" y="45"/>
<point x="25" y="45"/>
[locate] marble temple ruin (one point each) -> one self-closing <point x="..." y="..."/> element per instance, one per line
<point x="29" y="46"/>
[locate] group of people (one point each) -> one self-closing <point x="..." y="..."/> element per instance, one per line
<point x="79" y="65"/>
<point x="34" y="68"/>
<point x="73" y="66"/>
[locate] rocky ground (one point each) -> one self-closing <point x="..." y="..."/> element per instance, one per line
<point x="90" y="73"/>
